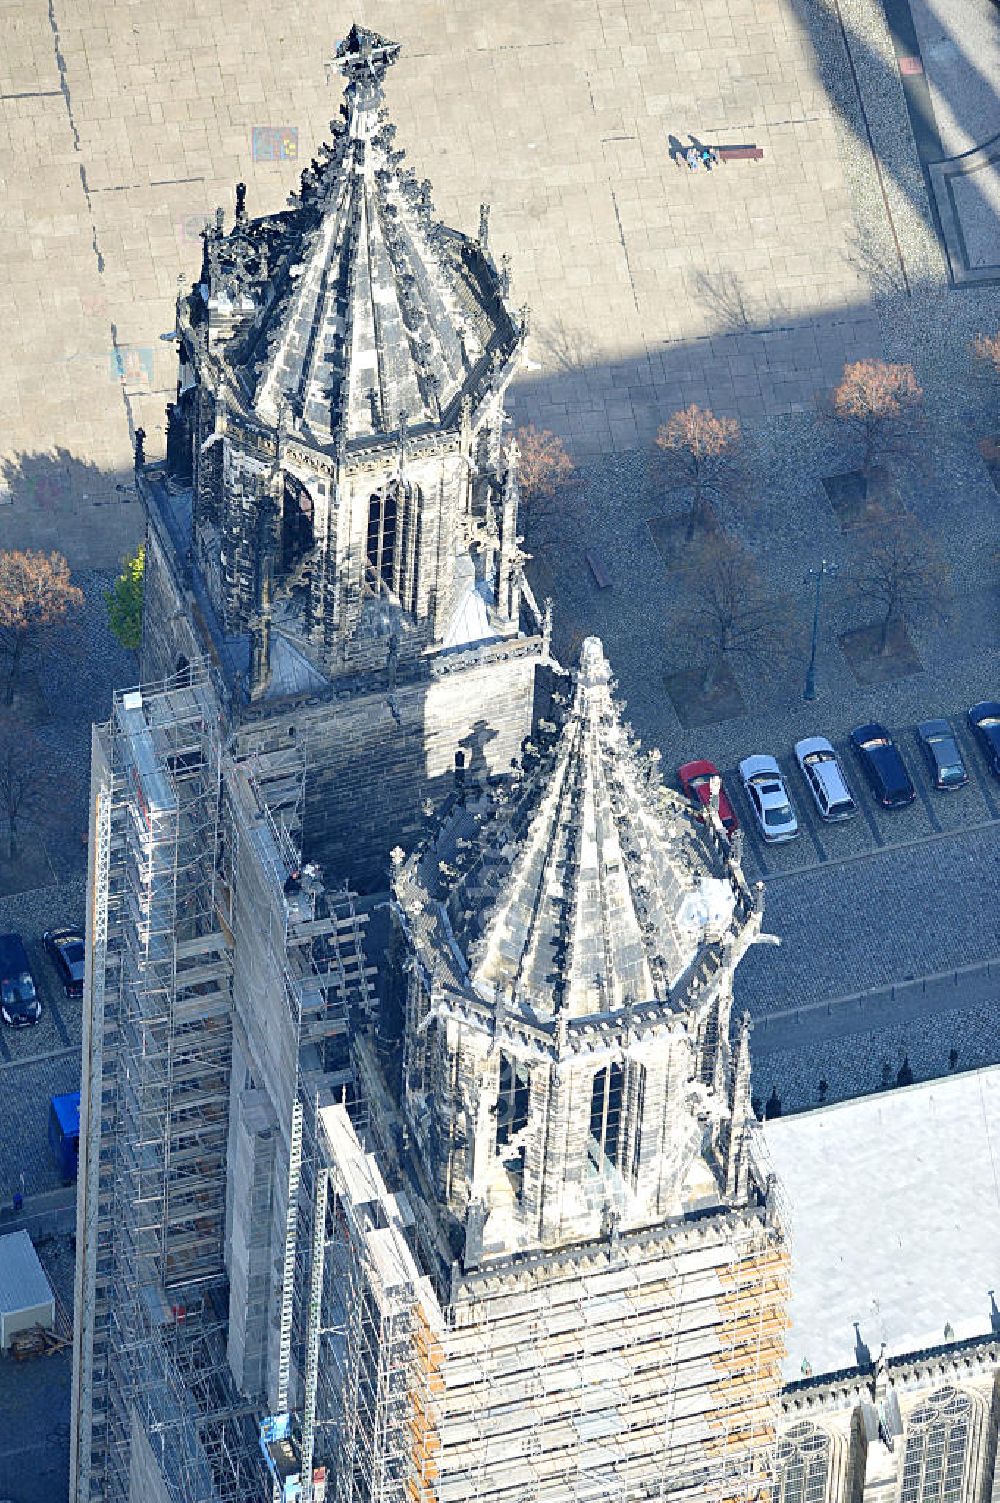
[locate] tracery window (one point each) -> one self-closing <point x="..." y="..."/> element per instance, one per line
<point x="393" y="520"/>
<point x="803" y="1465"/>
<point x="606" y="1111"/>
<point x="937" y="1443"/>
<point x="296" y="522"/>
<point x="638" y="1109"/>
<point x="512" y="1101"/>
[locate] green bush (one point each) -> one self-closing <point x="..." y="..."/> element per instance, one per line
<point x="124" y="601"/>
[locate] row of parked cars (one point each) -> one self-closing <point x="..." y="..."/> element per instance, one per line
<point x="20" y="1004"/>
<point x="821" y="769"/>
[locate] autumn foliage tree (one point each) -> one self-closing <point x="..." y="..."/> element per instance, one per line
<point x="700" y="450"/>
<point x="899" y="572"/>
<point x="728" y="612"/>
<point x="875" y="399"/>
<point x="545" y="475"/>
<point x="35" y="592"/>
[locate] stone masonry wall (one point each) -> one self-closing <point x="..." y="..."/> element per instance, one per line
<point x="373" y="758"/>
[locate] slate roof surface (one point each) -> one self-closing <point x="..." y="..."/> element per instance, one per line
<point x="585" y="886"/>
<point x="375" y="310"/>
<point x="895" y="1219"/>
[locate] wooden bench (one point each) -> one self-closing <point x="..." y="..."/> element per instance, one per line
<point x="598" y="569"/>
<point x="740" y="153"/>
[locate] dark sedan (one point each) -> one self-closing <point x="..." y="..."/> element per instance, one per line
<point x="67" y="950"/>
<point x="884" y="767"/>
<point x="984" y="721"/>
<point x="943" y="756"/>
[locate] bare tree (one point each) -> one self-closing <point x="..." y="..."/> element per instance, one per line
<point x="35" y="592"/>
<point x="545" y="475"/>
<point x="986" y="347"/>
<point x="875" y="399"/>
<point x="727" y="610"/>
<point x="899" y="572"/>
<point x="701" y="451"/>
<point x="26" y="784"/>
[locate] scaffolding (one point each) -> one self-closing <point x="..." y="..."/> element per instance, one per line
<point x="587" y="1375"/>
<point x="154" y="1283"/>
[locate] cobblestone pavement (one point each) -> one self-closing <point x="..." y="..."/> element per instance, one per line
<point x="856" y="1064"/>
<point x="34" y="1436"/>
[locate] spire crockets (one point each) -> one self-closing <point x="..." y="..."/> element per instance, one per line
<point x="593" y="890"/>
<point x="379" y="310"/>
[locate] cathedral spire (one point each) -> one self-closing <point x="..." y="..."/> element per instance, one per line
<point x="379" y="308"/>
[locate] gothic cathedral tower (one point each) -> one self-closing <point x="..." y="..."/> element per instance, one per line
<point x="340" y="497"/>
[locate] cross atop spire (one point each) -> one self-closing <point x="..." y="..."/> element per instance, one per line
<point x="364" y="56"/>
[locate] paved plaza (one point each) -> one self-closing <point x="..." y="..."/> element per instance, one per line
<point x="121" y="129"/>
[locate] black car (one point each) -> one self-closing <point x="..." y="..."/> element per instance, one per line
<point x="19" y="1004"/>
<point x="984" y="721"/>
<point x="884" y="767"/>
<point x="66" y="947"/>
<point x="943" y="756"/>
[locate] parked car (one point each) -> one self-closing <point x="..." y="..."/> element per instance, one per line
<point x="66" y="946"/>
<point x="824" y="777"/>
<point x="695" y="779"/>
<point x="884" y="767"/>
<point x="984" y="720"/>
<point x="19" y="1004"/>
<point x="768" y="798"/>
<point x="943" y="756"/>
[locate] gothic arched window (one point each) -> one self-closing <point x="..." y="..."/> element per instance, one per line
<point x="391" y="546"/>
<point x="937" y="1445"/>
<point x="606" y="1111"/>
<point x="803" y="1465"/>
<point x="296" y="522"/>
<point x="512" y="1100"/>
<point x="636" y="1115"/>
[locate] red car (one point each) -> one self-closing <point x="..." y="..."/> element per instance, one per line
<point x="695" y="778"/>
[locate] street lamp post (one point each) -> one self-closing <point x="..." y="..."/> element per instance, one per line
<point x="825" y="570"/>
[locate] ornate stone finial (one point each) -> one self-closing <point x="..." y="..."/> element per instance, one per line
<point x="547" y="625"/>
<point x="397" y="856"/>
<point x="484" y="227"/>
<point x="220" y="220"/>
<point x="140" y="448"/>
<point x="505" y="275"/>
<point x="241" y="202"/>
<point x="758" y="897"/>
<point x="364" y="56"/>
<point x="425" y="197"/>
<point x="524" y="314"/>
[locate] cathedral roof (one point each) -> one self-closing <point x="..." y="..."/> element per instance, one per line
<point x="586" y="888"/>
<point x="895" y="1239"/>
<point x="379" y="317"/>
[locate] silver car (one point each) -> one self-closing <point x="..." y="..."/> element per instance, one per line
<point x="767" y="796"/>
<point x="824" y="777"/>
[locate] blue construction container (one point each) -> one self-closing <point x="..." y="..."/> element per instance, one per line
<point x="64" y="1133"/>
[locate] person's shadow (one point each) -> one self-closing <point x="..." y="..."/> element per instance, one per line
<point x="676" y="151"/>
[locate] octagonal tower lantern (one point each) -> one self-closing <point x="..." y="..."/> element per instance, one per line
<point x="572" y="941"/>
<point x="340" y="409"/>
